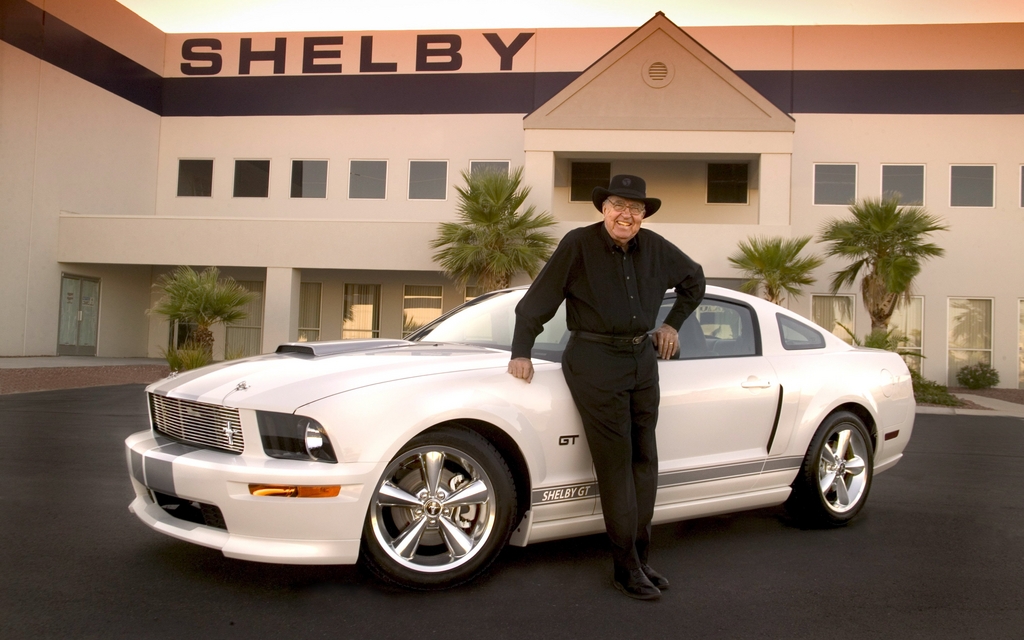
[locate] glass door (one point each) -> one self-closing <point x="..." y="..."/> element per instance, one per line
<point x="79" y="316"/>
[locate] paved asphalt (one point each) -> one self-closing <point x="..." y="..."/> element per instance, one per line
<point x="937" y="553"/>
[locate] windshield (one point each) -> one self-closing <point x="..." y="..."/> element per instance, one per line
<point x="491" y="323"/>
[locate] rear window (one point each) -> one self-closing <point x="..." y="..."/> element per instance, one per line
<point x="797" y="335"/>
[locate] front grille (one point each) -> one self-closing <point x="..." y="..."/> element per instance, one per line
<point x="206" y="425"/>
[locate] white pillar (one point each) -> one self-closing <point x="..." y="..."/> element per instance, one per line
<point x="774" y="187"/>
<point x="539" y="175"/>
<point x="281" y="307"/>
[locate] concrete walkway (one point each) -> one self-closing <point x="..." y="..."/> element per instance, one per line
<point x="994" y="407"/>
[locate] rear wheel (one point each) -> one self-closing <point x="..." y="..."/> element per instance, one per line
<point x="441" y="512"/>
<point x="836" y="473"/>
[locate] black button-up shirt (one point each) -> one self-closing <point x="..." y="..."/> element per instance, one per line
<point x="608" y="290"/>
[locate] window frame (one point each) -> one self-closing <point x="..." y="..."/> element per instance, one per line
<point x="972" y="206"/>
<point x="378" y="303"/>
<point x="755" y="327"/>
<point x="912" y="361"/>
<point x="327" y="179"/>
<point x="853" y="314"/>
<point x="1020" y="185"/>
<point x="248" y="285"/>
<point x="781" y="319"/>
<point x="270" y="173"/>
<point x="387" y="177"/>
<point x="406" y="296"/>
<point x="707" y="185"/>
<point x="814" y="182"/>
<point x="408" y="193"/>
<point x="320" y="313"/>
<point x="951" y="375"/>
<point x="572" y="173"/>
<point x="924" y="180"/>
<point x="213" y="165"/>
<point x="507" y="163"/>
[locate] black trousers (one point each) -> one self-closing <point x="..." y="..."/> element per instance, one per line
<point x="615" y="388"/>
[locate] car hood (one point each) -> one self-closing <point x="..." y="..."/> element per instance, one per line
<point x="286" y="381"/>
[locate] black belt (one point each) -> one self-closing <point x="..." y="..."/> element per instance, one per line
<point x="609" y="338"/>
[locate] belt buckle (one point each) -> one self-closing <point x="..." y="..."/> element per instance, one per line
<point x="639" y="339"/>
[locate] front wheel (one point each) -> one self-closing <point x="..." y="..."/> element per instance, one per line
<point x="442" y="511"/>
<point x="836" y="473"/>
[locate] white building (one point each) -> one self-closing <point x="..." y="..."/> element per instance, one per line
<point x="315" y="167"/>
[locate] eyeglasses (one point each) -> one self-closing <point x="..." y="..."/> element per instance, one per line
<point x="634" y="208"/>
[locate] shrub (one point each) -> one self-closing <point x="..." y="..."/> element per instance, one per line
<point x="185" y="359"/>
<point x="928" y="392"/>
<point x="977" y="376"/>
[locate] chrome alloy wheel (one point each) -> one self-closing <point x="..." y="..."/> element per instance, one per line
<point x="841" y="469"/>
<point x="434" y="509"/>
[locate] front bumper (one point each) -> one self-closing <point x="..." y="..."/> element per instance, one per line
<point x="261" y="528"/>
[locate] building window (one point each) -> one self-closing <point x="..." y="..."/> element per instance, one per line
<point x="905" y="181"/>
<point x="361" y="311"/>
<point x="428" y="180"/>
<point x="972" y="186"/>
<point x="368" y="179"/>
<point x="727" y="183"/>
<point x="586" y="176"/>
<point x="252" y="178"/>
<point x="245" y="337"/>
<point x="480" y="166"/>
<point x="472" y="291"/>
<point x="195" y="178"/>
<point x="835" y="314"/>
<point x="422" y="304"/>
<point x="309" y="178"/>
<point x="1020" y="344"/>
<point x="908" y="321"/>
<point x="970" y="334"/>
<point x="835" y="183"/>
<point x="309" y="311"/>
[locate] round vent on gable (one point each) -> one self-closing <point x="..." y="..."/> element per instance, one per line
<point x="657" y="73"/>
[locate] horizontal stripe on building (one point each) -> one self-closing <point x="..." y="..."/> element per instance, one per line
<point x="29" y="28"/>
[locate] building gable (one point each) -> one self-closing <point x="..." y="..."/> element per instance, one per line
<point x="659" y="78"/>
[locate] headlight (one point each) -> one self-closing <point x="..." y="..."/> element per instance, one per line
<point x="293" y="437"/>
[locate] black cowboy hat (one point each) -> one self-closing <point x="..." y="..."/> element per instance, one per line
<point x="630" y="187"/>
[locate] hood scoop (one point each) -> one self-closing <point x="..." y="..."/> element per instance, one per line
<point x="317" y="349"/>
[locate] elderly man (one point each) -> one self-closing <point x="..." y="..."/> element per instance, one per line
<point x="613" y="276"/>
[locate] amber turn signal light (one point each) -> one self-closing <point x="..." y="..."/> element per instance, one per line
<point x="293" y="491"/>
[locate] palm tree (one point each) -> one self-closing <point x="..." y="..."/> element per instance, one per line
<point x="202" y="299"/>
<point x="887" y="242"/>
<point x="493" y="241"/>
<point x="774" y="263"/>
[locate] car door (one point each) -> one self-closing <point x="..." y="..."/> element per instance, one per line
<point x="719" y="399"/>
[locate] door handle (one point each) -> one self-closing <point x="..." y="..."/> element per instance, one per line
<point x="753" y="382"/>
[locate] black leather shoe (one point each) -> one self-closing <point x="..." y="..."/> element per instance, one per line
<point x="658" y="580"/>
<point x="636" y="585"/>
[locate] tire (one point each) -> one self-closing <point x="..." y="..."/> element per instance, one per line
<point x="441" y="512"/>
<point x="836" y="473"/>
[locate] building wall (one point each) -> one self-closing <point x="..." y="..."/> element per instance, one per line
<point x="89" y="176"/>
<point x="983" y="257"/>
<point x="67" y="146"/>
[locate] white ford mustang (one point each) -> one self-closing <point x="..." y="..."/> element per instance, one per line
<point x="424" y="457"/>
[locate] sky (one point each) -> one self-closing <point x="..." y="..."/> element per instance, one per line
<point x="215" y="16"/>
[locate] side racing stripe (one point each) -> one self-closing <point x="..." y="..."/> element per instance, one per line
<point x="586" y="490"/>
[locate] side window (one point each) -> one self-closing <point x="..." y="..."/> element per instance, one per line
<point x="797" y="335"/>
<point x="717" y="329"/>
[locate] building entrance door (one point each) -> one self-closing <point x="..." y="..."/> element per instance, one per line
<point x="79" y="316"/>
